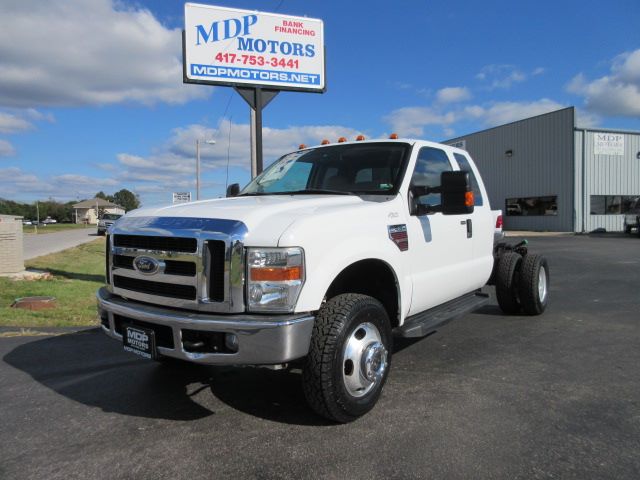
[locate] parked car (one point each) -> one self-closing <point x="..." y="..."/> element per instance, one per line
<point x="49" y="220"/>
<point x="632" y="217"/>
<point x="106" y="221"/>
<point x="26" y="222"/>
<point x="514" y="209"/>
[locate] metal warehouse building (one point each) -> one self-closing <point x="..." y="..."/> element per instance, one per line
<point x="547" y="174"/>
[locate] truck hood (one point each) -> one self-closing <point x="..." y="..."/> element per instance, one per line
<point x="266" y="217"/>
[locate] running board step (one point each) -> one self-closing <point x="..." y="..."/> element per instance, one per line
<point x="424" y="323"/>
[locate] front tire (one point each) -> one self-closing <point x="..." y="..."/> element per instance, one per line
<point x="349" y="357"/>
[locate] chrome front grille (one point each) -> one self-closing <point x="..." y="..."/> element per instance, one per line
<point x="200" y="262"/>
<point x="167" y="244"/>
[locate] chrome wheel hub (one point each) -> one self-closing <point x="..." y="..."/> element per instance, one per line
<point x="542" y="284"/>
<point x="365" y="360"/>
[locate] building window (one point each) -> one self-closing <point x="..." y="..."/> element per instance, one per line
<point x="613" y="204"/>
<point x="529" y="206"/>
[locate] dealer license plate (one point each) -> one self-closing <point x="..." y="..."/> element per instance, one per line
<point x="138" y="340"/>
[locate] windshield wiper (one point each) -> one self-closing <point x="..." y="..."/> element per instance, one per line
<point x="307" y="191"/>
<point x="316" y="190"/>
<point x="252" y="194"/>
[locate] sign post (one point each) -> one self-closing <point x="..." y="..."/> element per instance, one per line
<point x="259" y="54"/>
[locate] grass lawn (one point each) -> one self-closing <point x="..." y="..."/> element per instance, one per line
<point x="55" y="227"/>
<point x="78" y="273"/>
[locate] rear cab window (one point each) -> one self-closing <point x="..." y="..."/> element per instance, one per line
<point x="463" y="163"/>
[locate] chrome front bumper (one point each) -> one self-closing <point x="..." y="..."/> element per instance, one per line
<point x="262" y="339"/>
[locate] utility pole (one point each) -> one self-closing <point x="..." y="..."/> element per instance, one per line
<point x="37" y="215"/>
<point x="197" y="169"/>
<point x="208" y="142"/>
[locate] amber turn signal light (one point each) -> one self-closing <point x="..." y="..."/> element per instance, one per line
<point x="468" y="199"/>
<point x="276" y="274"/>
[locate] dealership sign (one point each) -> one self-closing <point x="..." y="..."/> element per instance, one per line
<point x="181" y="197"/>
<point x="224" y="46"/>
<point x="608" y="144"/>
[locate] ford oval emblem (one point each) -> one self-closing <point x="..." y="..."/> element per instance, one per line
<point x="146" y="265"/>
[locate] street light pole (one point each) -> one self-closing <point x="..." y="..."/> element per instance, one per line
<point x="209" y="142"/>
<point x="198" y="169"/>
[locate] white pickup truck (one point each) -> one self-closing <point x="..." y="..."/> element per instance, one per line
<point x="320" y="260"/>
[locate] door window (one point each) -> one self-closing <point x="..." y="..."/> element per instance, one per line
<point x="430" y="164"/>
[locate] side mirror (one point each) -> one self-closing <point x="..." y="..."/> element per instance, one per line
<point x="457" y="196"/>
<point x="233" y="190"/>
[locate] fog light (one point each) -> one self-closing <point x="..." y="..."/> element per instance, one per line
<point x="231" y="342"/>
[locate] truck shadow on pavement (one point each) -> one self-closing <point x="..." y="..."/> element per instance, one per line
<point x="89" y="368"/>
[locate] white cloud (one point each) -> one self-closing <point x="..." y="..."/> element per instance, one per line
<point x="411" y="121"/>
<point x="172" y="167"/>
<point x="88" y="52"/>
<point x="6" y="149"/>
<point x="453" y="94"/>
<point x="12" y="124"/>
<point x="17" y="184"/>
<point x="500" y="76"/>
<point x="616" y="94"/>
<point x="37" y="115"/>
<point x="505" y="112"/>
<point x="538" y="71"/>
<point x="587" y="120"/>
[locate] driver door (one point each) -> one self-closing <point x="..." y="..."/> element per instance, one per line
<point x="440" y="251"/>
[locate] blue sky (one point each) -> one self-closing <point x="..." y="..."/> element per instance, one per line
<point x="91" y="93"/>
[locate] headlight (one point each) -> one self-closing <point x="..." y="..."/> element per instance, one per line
<point x="275" y="278"/>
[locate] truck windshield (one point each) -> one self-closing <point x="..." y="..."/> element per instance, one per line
<point x="369" y="168"/>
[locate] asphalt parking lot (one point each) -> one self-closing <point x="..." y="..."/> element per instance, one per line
<point x="487" y="396"/>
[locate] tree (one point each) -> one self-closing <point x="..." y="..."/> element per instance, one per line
<point x="62" y="212"/>
<point x="126" y="199"/>
<point x="104" y="196"/>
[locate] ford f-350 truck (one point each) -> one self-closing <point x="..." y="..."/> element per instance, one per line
<point x="321" y="259"/>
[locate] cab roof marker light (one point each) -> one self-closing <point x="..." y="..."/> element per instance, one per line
<point x="393" y="136"/>
<point x="302" y="146"/>
<point x="342" y="140"/>
<point x="325" y="142"/>
<point x="359" y="138"/>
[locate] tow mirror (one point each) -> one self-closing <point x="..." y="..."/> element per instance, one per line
<point x="233" y="190"/>
<point x="456" y="194"/>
